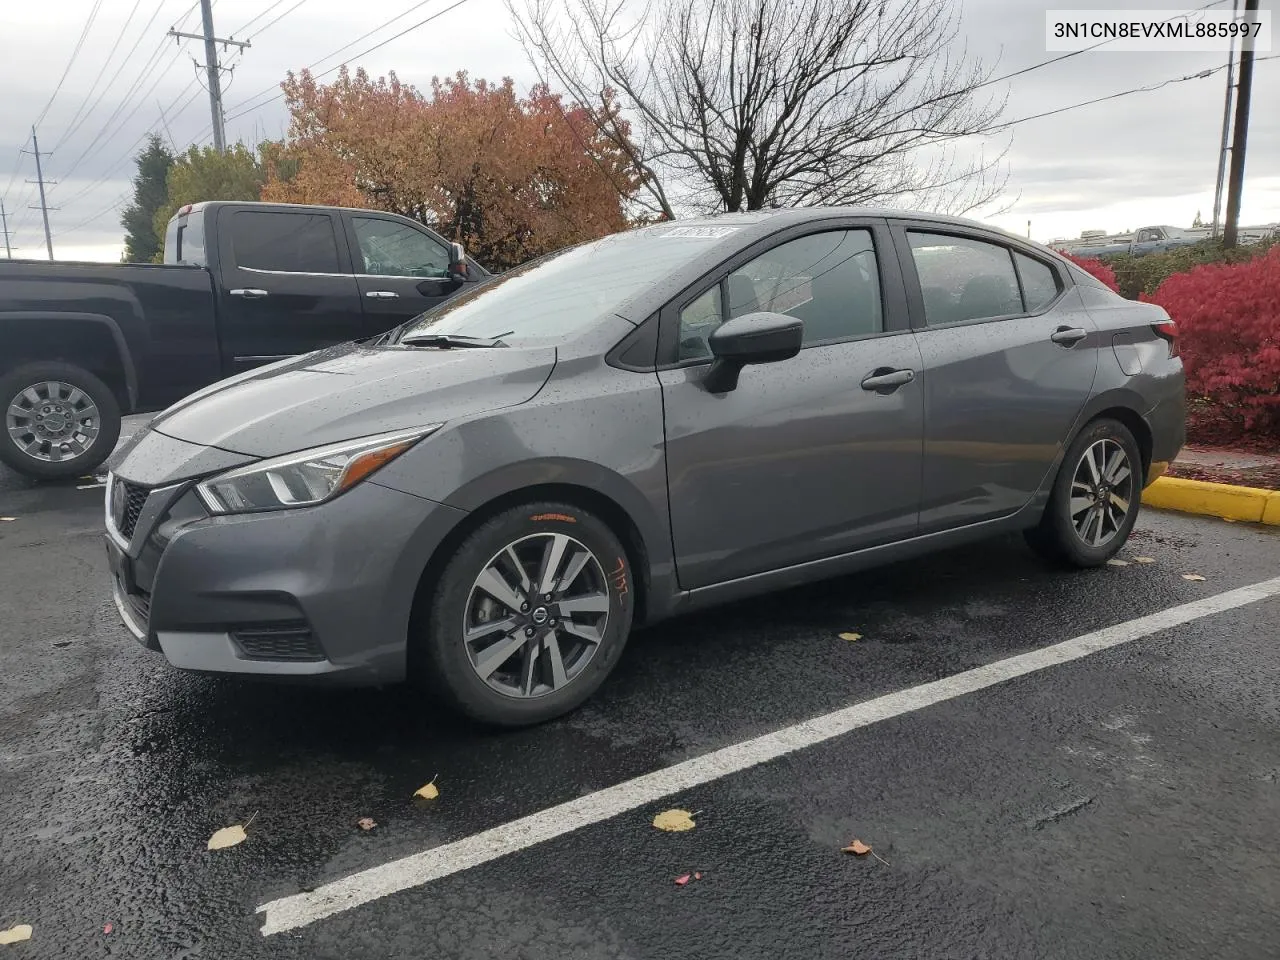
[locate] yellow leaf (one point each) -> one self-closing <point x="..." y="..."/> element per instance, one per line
<point x="857" y="848"/>
<point x="16" y="934"/>
<point x="1115" y="562"/>
<point x="674" y="821"/>
<point x="1144" y="559"/>
<point x="227" y="837"/>
<point x="851" y="636"/>
<point x="1192" y="576"/>
<point x="428" y="792"/>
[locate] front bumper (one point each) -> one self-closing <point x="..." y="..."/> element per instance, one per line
<point x="322" y="592"/>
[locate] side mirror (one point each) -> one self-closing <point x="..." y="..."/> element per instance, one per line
<point x="753" y="338"/>
<point x="457" y="262"/>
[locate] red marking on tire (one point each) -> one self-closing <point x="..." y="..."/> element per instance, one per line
<point x="562" y="517"/>
<point x="619" y="578"/>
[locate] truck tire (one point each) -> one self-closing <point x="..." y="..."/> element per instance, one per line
<point x="60" y="420"/>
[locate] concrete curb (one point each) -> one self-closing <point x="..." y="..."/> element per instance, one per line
<point x="1223" y="500"/>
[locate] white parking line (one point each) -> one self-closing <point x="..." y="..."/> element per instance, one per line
<point x="301" y="909"/>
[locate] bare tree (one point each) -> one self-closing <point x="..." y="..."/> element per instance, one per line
<point x="746" y="104"/>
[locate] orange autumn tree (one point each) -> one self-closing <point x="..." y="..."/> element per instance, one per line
<point x="510" y="177"/>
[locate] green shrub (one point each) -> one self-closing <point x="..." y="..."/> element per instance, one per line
<point x="1139" y="275"/>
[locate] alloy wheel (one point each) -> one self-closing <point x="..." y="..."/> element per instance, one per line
<point x="1101" y="492"/>
<point x="52" y="421"/>
<point x="536" y="615"/>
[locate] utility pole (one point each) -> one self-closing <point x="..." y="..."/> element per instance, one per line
<point x="44" y="206"/>
<point x="212" y="71"/>
<point x="4" y="228"/>
<point x="1226" y="127"/>
<point x="1235" y="180"/>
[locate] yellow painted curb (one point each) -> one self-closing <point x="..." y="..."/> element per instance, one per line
<point x="1224" y="500"/>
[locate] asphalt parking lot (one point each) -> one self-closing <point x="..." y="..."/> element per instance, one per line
<point x="1109" y="804"/>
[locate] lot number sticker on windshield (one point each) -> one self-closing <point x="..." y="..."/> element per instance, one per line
<point x="700" y="233"/>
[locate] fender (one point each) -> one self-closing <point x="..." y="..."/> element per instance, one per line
<point x="122" y="349"/>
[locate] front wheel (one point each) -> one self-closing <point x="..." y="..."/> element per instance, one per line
<point x="530" y="615"/>
<point x="60" y="420"/>
<point x="1094" y="503"/>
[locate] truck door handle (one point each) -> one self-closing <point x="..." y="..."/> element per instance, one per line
<point x="887" y="379"/>
<point x="1068" y="336"/>
<point x="382" y="295"/>
<point x="249" y="293"/>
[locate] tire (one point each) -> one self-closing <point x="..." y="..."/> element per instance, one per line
<point x="1058" y="537"/>
<point x="526" y="688"/>
<point x="66" y="406"/>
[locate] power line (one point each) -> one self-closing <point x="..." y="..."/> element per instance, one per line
<point x="363" y="53"/>
<point x="246" y="26"/>
<point x="75" y="52"/>
<point x="81" y="115"/>
<point x="272" y="23"/>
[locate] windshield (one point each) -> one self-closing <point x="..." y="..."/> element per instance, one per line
<point x="566" y="291"/>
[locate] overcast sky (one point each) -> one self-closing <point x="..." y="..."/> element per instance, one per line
<point x="1141" y="159"/>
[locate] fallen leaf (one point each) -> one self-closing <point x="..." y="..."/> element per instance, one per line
<point x="367" y="823"/>
<point x="107" y="927"/>
<point x="7" y="519"/>
<point x="16" y="934"/>
<point x="851" y="636"/>
<point x="681" y="881"/>
<point x="858" y="848"/>
<point x="428" y="792"/>
<point x="697" y="876"/>
<point x="227" y="837"/>
<point x="1114" y="562"/>
<point x="1144" y="559"/>
<point x="674" y="821"/>
<point x="1192" y="576"/>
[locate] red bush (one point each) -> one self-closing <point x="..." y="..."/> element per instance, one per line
<point x="1096" y="268"/>
<point x="1228" y="317"/>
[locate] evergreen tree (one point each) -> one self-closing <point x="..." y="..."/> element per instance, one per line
<point x="150" y="193"/>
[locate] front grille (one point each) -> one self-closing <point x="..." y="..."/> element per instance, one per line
<point x="130" y="498"/>
<point x="289" y="641"/>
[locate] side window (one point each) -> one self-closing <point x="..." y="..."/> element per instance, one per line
<point x="828" y="280"/>
<point x="395" y="249"/>
<point x="964" y="279"/>
<point x="284" y="242"/>
<point x="697" y="320"/>
<point x="1039" y="283"/>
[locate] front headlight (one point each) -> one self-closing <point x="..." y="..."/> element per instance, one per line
<point x="305" y="478"/>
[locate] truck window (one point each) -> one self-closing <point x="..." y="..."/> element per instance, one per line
<point x="284" y="242"/>
<point x="391" y="249"/>
<point x="184" y="241"/>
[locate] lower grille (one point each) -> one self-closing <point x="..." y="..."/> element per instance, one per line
<point x="129" y="500"/>
<point x="291" y="641"/>
<point x="140" y="604"/>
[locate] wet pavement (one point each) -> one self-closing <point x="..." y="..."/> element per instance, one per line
<point x="1126" y="804"/>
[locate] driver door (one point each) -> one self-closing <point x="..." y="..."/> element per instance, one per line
<point x="401" y="270"/>
<point x="805" y="458"/>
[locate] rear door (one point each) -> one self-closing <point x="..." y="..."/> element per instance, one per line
<point x="1010" y="356"/>
<point x="401" y="270"/>
<point x="286" y="284"/>
<point x="806" y="458"/>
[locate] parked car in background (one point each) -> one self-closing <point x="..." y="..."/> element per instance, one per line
<point x="242" y="284"/>
<point x="488" y="498"/>
<point x="1147" y="240"/>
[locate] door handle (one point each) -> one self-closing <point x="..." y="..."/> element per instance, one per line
<point x="1068" y="336"/>
<point x="382" y="295"/>
<point x="249" y="293"/>
<point x="887" y="379"/>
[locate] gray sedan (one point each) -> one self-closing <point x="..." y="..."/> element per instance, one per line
<point x="490" y="497"/>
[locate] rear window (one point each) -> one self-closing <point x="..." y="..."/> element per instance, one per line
<point x="184" y="241"/>
<point x="284" y="242"/>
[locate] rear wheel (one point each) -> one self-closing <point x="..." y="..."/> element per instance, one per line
<point x="60" y="420"/>
<point x="1094" y="503"/>
<point x="530" y="615"/>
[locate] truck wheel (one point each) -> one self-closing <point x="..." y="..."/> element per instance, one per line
<point x="60" y="420"/>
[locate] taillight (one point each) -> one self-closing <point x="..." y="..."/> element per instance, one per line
<point x="1167" y="331"/>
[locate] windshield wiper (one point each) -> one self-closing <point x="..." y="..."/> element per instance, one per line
<point x="447" y="341"/>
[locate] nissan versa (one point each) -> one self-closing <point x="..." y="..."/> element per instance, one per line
<point x="489" y="497"/>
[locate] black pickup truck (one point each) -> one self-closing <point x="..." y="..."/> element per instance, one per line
<point x="242" y="284"/>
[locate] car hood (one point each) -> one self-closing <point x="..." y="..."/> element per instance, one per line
<point x="354" y="391"/>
